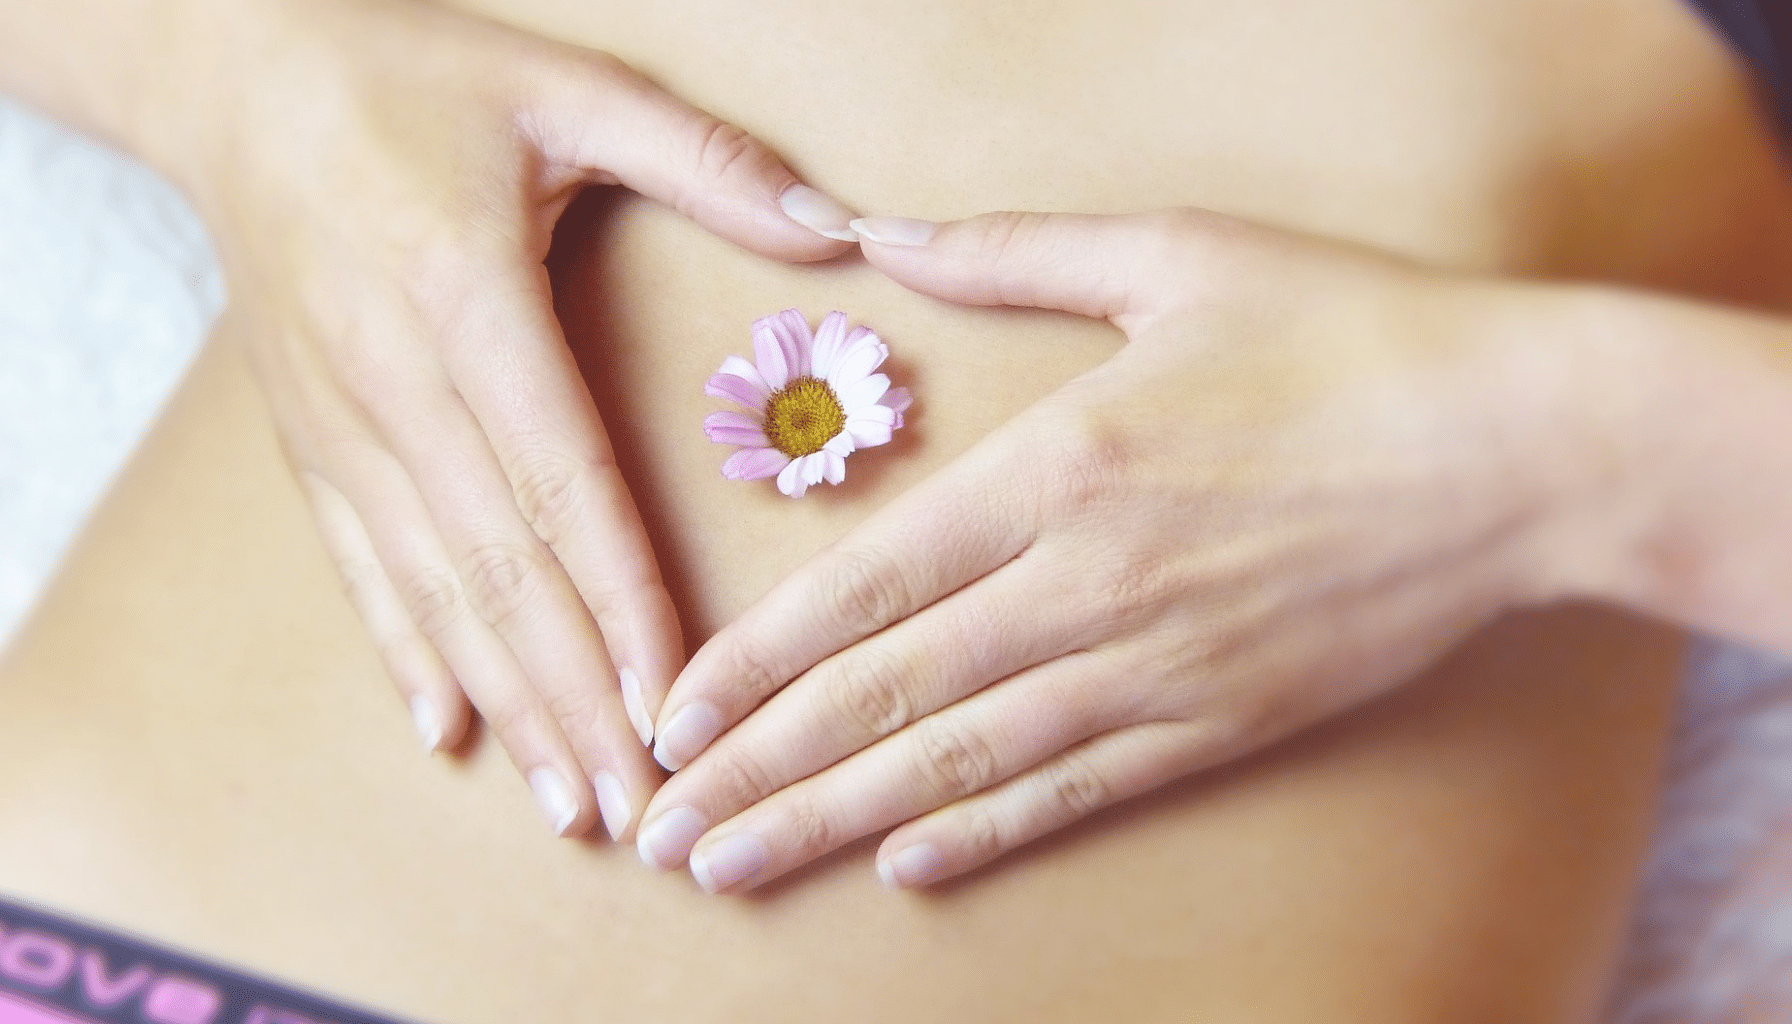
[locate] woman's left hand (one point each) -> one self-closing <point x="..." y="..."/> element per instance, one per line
<point x="1311" y="471"/>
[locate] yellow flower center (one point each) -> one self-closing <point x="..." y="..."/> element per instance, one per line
<point x="802" y="416"/>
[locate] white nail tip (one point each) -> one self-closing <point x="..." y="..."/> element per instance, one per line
<point x="904" y="231"/>
<point x="554" y="797"/>
<point x="818" y="212"/>
<point x="427" y="722"/>
<point x="636" y="707"/>
<point x="612" y="804"/>
<point x="691" y="730"/>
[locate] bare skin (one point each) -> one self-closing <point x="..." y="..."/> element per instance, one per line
<point x="214" y="758"/>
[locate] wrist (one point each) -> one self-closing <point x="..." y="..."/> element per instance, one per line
<point x="188" y="115"/>
<point x="1563" y="390"/>
<point x="1701" y="533"/>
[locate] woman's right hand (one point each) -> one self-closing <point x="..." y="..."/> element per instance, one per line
<point x="383" y="179"/>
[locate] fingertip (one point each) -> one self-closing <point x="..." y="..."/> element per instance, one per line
<point x="1079" y="263"/>
<point x="911" y="866"/>
<point x="800" y="224"/>
<point x="905" y="232"/>
<point x="819" y="212"/>
<point x="555" y="799"/>
<point x="439" y="711"/>
<point x="636" y="707"/>
<point x="427" y="720"/>
<point x="613" y="805"/>
<point x="688" y="733"/>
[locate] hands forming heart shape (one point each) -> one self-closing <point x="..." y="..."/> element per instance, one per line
<point x="1311" y="470"/>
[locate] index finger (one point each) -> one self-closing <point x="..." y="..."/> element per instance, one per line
<point x="945" y="534"/>
<point x="603" y="635"/>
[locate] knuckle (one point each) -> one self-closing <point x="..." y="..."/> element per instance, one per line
<point x="550" y="495"/>
<point x="721" y="151"/>
<point x="1075" y="788"/>
<point x="608" y="68"/>
<point x="809" y="827"/>
<point x="502" y="580"/>
<point x="980" y="837"/>
<point x="740" y="781"/>
<point x="870" y="694"/>
<point x="509" y="719"/>
<point x="363" y="581"/>
<point x="575" y="706"/>
<point x="867" y="593"/>
<point x="1013" y="239"/>
<point x="955" y="760"/>
<point x="750" y="669"/>
<point x="1010" y="231"/>
<point x="1088" y="456"/>
<point x="434" y="601"/>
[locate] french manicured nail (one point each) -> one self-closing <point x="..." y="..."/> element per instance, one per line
<point x="554" y="797"/>
<point x="667" y="839"/>
<point x="636" y="707"/>
<point x="914" y="865"/>
<point x="818" y="212"/>
<point x="895" y="230"/>
<point x="728" y="861"/>
<point x="428" y="722"/>
<point x="694" y="727"/>
<point x="612" y="803"/>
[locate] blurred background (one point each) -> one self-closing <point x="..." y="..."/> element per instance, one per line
<point x="108" y="286"/>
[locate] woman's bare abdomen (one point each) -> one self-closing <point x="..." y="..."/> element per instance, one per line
<point x="202" y="745"/>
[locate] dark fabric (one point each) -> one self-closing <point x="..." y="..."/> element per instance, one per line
<point x="1761" y="31"/>
<point x="54" y="970"/>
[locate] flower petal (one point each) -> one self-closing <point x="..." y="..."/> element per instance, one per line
<point x="899" y="400"/>
<point x="799" y="344"/>
<point x="745" y="370"/>
<point x="840" y="444"/>
<point x="781" y="348"/>
<point x="750" y="393"/>
<point x="754" y="464"/>
<point x="830" y="338"/>
<point x="856" y="361"/>
<point x="814" y="466"/>
<point x="865" y="392"/>
<point x="836" y="467"/>
<point x="790" y="479"/>
<point x="729" y="427"/>
<point x="872" y="426"/>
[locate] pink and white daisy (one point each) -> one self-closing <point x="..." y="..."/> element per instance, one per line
<point x="810" y="399"/>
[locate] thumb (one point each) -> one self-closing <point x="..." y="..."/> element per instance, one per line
<point x="1097" y="266"/>
<point x="610" y="121"/>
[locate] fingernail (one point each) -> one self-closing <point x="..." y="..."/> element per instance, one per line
<point x="428" y="723"/>
<point x="728" y="861"/>
<point x="636" y="707"/>
<point x="667" y="840"/>
<point x="915" y="865"/>
<point x="895" y="230"/>
<point x="554" y="797"/>
<point x="694" y="727"/>
<point x="612" y="803"/>
<point x="818" y="212"/>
